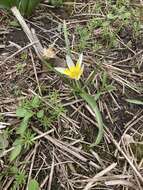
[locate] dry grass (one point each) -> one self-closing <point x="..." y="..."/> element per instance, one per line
<point x="62" y="157"/>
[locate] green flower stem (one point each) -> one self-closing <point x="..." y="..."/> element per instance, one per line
<point x="66" y="38"/>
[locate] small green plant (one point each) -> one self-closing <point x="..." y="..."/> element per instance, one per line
<point x="14" y="23"/>
<point x="19" y="68"/>
<point x="54" y="112"/>
<point x="25" y="139"/>
<point x="105" y="86"/>
<point x="16" y="89"/>
<point x="84" y="36"/>
<point x="26" y="7"/>
<point x="74" y="72"/>
<point x="103" y="31"/>
<point x="56" y="3"/>
<point x="19" y="177"/>
<point x="34" y="110"/>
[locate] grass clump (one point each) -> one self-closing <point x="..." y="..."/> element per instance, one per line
<point x="56" y="3"/>
<point x="34" y="111"/>
<point x="26" y="7"/>
<point x="104" y="29"/>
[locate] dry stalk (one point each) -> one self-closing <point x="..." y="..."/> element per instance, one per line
<point x="31" y="167"/>
<point x="30" y="33"/>
<point x="100" y="174"/>
<point x="51" y="173"/>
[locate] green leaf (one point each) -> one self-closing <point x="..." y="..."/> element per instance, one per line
<point x="24" y="112"/>
<point x="33" y="185"/>
<point x="40" y="114"/>
<point x="14" y="23"/>
<point x="22" y="6"/>
<point x="3" y="141"/>
<point x="29" y="114"/>
<point x="138" y="102"/>
<point x="31" y="6"/>
<point x="23" y="126"/>
<point x="17" y="142"/>
<point x="35" y="102"/>
<point x="7" y="3"/>
<point x="56" y="3"/>
<point x="92" y="103"/>
<point x="21" y="112"/>
<point x="15" y="152"/>
<point x="26" y="7"/>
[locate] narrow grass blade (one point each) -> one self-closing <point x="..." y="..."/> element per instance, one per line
<point x="92" y="103"/>
<point x="132" y="101"/>
<point x="27" y="6"/>
<point x="66" y="38"/>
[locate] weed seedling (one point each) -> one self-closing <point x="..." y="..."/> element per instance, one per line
<point x="56" y="3"/>
<point x="34" y="111"/>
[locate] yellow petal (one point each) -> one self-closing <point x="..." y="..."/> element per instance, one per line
<point x="67" y="72"/>
<point x="74" y="72"/>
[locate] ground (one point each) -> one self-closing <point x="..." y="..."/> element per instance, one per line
<point x="55" y="149"/>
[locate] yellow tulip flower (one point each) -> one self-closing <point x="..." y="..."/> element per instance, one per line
<point x="74" y="71"/>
